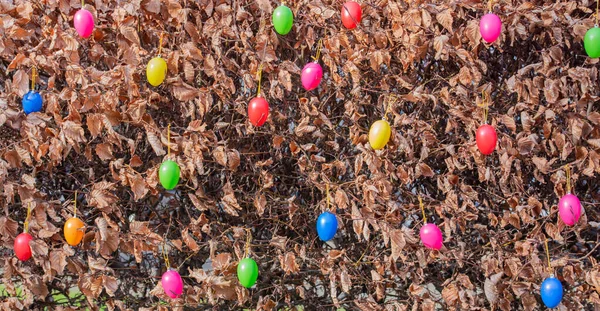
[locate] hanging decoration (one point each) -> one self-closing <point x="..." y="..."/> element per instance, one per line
<point x="84" y="22"/>
<point x="569" y="206"/>
<point x="430" y="234"/>
<point x="351" y="14"/>
<point x="551" y="289"/>
<point x="490" y="25"/>
<point x="156" y="71"/>
<point x="169" y="171"/>
<point x="381" y="131"/>
<point x="74" y="228"/>
<point x="283" y="19"/>
<point x="171" y="281"/>
<point x="247" y="269"/>
<point x="486" y="136"/>
<point x="312" y="73"/>
<point x="32" y="101"/>
<point x="591" y="40"/>
<point x="21" y="246"/>
<point x="258" y="107"/>
<point x="327" y="223"/>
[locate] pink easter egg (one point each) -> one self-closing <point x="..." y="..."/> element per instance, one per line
<point x="311" y="76"/>
<point x="431" y="236"/>
<point x="172" y="283"/>
<point x="84" y="23"/>
<point x="490" y="27"/>
<point x="569" y="209"/>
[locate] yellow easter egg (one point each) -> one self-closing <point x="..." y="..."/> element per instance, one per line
<point x="379" y="134"/>
<point x="156" y="71"/>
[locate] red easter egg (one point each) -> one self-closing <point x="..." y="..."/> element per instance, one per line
<point x="351" y="14"/>
<point x="258" y="111"/>
<point x="486" y="139"/>
<point x="22" y="249"/>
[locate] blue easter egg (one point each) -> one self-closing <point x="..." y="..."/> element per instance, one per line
<point x="326" y="226"/>
<point x="32" y="102"/>
<point x="552" y="292"/>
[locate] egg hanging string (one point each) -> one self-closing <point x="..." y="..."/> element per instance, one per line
<point x="568" y="173"/>
<point x="422" y="209"/>
<point x="82" y="3"/>
<point x="597" y="12"/>
<point x="319" y="47"/>
<point x="490" y="6"/>
<point x="247" y="246"/>
<point x="75" y="205"/>
<point x="169" y="140"/>
<point x="160" y="43"/>
<point x="548" y="256"/>
<point x="327" y="194"/>
<point x="33" y="76"/>
<point x="259" y="78"/>
<point x="26" y="224"/>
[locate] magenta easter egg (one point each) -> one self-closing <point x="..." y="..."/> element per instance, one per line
<point x="490" y="27"/>
<point x="431" y="236"/>
<point x="311" y="76"/>
<point x="84" y="23"/>
<point x="569" y="209"/>
<point x="172" y="283"/>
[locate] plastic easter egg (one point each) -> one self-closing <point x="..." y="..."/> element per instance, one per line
<point x="311" y="76"/>
<point x="32" y="102"/>
<point x="172" y="283"/>
<point x="247" y="272"/>
<point x="168" y="174"/>
<point x="379" y="134"/>
<point x="327" y="225"/>
<point x="431" y="236"/>
<point x="591" y="42"/>
<point x="490" y="27"/>
<point x="84" y="23"/>
<point x="569" y="209"/>
<point x="486" y="139"/>
<point x="283" y="19"/>
<point x="351" y="14"/>
<point x="74" y="231"/>
<point x="258" y="111"/>
<point x="22" y="249"/>
<point x="551" y="291"/>
<point x="156" y="71"/>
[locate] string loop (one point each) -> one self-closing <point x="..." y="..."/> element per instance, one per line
<point x="33" y="76"/>
<point x="26" y="224"/>
<point x="259" y="78"/>
<point x="166" y="256"/>
<point x="568" y="173"/>
<point x="422" y="209"/>
<point x="485" y="105"/>
<point x="391" y="100"/>
<point x="319" y="47"/>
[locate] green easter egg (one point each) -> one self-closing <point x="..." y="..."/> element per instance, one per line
<point x="168" y="174"/>
<point x="283" y="19"/>
<point x="247" y="272"/>
<point x="591" y="42"/>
